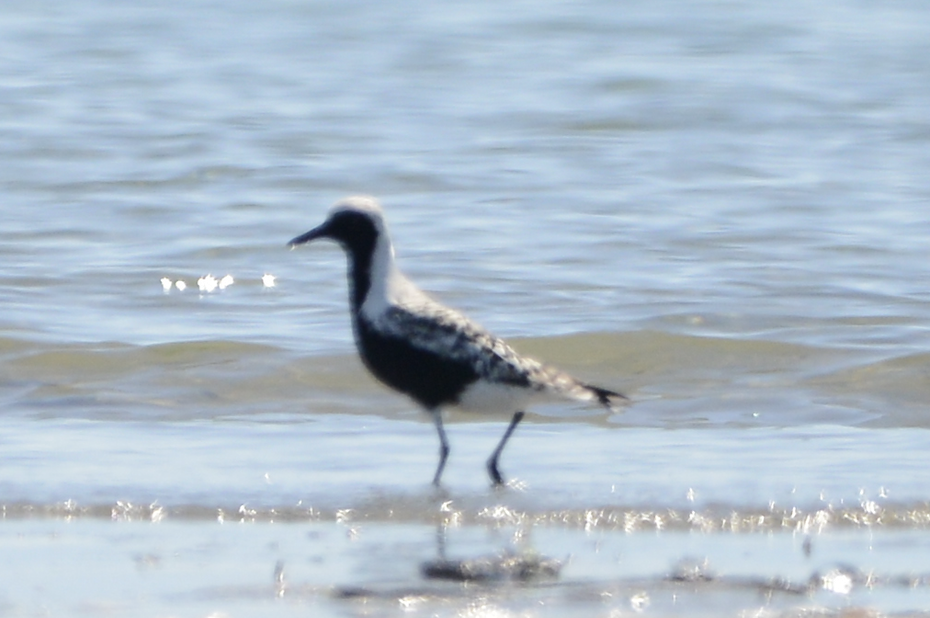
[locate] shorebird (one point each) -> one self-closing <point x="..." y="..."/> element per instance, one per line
<point x="434" y="354"/>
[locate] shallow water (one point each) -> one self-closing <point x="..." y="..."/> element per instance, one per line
<point x="718" y="209"/>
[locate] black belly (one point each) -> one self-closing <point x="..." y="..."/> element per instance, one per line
<point x="430" y="379"/>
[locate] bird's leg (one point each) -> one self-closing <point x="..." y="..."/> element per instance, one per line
<point x="496" y="477"/>
<point x="443" y="445"/>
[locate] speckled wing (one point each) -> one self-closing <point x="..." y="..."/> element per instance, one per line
<point x="450" y="335"/>
<point x="447" y="333"/>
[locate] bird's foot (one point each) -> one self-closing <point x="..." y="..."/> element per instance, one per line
<point x="496" y="479"/>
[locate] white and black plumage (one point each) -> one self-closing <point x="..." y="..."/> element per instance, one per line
<point x="430" y="352"/>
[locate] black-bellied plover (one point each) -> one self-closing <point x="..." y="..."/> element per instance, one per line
<point x="430" y="352"/>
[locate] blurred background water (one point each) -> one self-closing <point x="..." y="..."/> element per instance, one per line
<point x="719" y="208"/>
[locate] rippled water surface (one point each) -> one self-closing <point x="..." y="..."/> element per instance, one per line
<point x="720" y="209"/>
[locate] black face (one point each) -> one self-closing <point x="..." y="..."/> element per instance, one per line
<point x="357" y="234"/>
<point x="353" y="230"/>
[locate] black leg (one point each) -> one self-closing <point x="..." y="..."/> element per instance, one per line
<point x="443" y="445"/>
<point x="496" y="477"/>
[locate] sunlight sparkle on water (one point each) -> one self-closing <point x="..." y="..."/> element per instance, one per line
<point x="837" y="581"/>
<point x="208" y="283"/>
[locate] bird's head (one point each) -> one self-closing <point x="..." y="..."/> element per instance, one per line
<point x="355" y="222"/>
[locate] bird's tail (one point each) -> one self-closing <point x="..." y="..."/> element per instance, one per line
<point x="565" y="385"/>
<point x="607" y="398"/>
